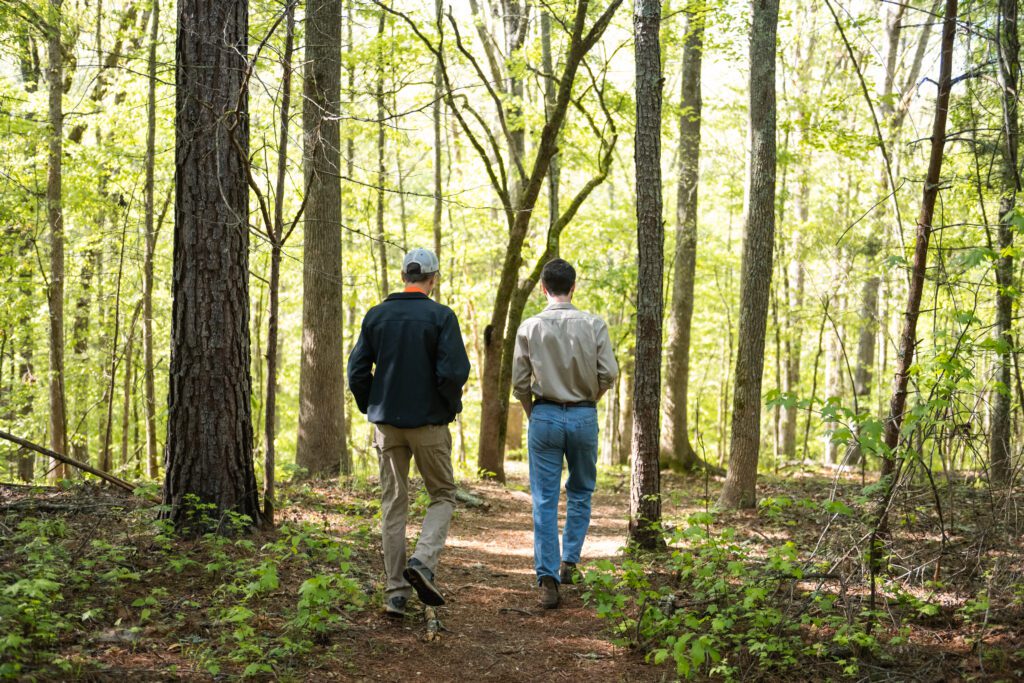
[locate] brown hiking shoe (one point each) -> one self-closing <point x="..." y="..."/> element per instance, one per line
<point x="567" y="573"/>
<point x="549" y="597"/>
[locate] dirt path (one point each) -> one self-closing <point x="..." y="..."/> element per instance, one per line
<point x="496" y="629"/>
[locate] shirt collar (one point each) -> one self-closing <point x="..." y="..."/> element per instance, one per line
<point x="560" y="306"/>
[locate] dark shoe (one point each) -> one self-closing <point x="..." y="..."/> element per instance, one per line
<point x="567" y="574"/>
<point x="422" y="580"/>
<point x="395" y="606"/>
<point x="549" y="597"/>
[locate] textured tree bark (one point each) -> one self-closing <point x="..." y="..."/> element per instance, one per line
<point x="209" y="422"/>
<point x="1009" y="76"/>
<point x="645" y="485"/>
<point x="322" y="449"/>
<point x="55" y="221"/>
<point x="739" y="490"/>
<point x="908" y="335"/>
<point x="677" y="451"/>
<point x="149" y="374"/>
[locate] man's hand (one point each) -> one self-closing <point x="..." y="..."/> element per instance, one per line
<point x="527" y="406"/>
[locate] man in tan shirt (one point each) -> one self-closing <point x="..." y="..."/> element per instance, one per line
<point x="563" y="364"/>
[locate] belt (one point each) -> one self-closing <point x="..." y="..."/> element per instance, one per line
<point x="540" y="400"/>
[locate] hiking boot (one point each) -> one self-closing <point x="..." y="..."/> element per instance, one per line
<point x="395" y="606"/>
<point x="422" y="580"/>
<point x="549" y="597"/>
<point x="567" y="574"/>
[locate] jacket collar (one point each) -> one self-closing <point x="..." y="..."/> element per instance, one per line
<point x="397" y="296"/>
<point x="560" y="306"/>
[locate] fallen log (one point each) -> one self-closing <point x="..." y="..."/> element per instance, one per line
<point x="85" y="467"/>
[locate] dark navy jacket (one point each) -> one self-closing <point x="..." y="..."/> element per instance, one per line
<point x="409" y="365"/>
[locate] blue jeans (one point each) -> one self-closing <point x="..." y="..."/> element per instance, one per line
<point x="556" y="432"/>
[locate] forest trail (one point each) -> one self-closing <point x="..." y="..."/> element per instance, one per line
<point x="495" y="628"/>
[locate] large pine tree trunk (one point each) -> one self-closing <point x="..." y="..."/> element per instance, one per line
<point x="209" y="420"/>
<point x="149" y="374"/>
<point x="645" y="487"/>
<point x="677" y="450"/>
<point x="739" y="490"/>
<point x="322" y="448"/>
<point x="1009" y="76"/>
<point x="55" y="220"/>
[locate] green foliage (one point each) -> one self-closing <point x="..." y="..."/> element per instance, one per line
<point x="714" y="607"/>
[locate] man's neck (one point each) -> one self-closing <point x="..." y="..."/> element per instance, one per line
<point x="559" y="299"/>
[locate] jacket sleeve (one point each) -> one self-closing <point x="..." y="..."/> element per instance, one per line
<point x="452" y="367"/>
<point x="360" y="369"/>
<point x="522" y="370"/>
<point x="607" y="367"/>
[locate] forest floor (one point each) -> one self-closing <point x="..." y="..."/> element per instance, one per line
<point x="94" y="589"/>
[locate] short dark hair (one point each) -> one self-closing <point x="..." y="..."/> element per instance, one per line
<point x="558" y="277"/>
<point x="414" y="275"/>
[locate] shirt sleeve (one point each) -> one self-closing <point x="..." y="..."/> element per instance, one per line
<point x="452" y="367"/>
<point x="360" y="370"/>
<point x="607" y="367"/>
<point x="522" y="370"/>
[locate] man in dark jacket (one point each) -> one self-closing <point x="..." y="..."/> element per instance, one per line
<point x="406" y="372"/>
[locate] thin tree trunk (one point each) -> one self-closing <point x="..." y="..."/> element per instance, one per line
<point x="645" y="487"/>
<point x="322" y="447"/>
<point x="55" y="220"/>
<point x="438" y="90"/>
<point x="1009" y="74"/>
<point x="209" y="432"/>
<point x="149" y="380"/>
<point x="382" y="247"/>
<point x="126" y="393"/>
<point x="277" y="237"/>
<point x="678" y="452"/>
<point x="739" y="490"/>
<point x="547" y="63"/>
<point x="624" y="446"/>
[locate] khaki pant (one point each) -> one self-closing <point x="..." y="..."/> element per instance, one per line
<point x="431" y="446"/>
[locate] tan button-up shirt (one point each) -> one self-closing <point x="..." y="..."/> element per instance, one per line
<point x="563" y="354"/>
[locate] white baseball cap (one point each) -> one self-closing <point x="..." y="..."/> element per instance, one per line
<point x="421" y="261"/>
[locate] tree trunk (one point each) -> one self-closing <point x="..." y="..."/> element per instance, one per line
<point x="625" y="399"/>
<point x="514" y="432"/>
<point x="908" y="336"/>
<point x="793" y="344"/>
<point x="322" y="449"/>
<point x="149" y="373"/>
<point x="834" y="374"/>
<point x="645" y="487"/>
<point x="277" y="237"/>
<point x="519" y="207"/>
<point x="438" y="90"/>
<point x="1009" y="74"/>
<point x="382" y="247"/>
<point x="55" y="220"/>
<point x="209" y="420"/>
<point x="865" y="351"/>
<point x="739" y="490"/>
<point x="677" y="452"/>
<point x="547" y="63"/>
<point x="126" y="393"/>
